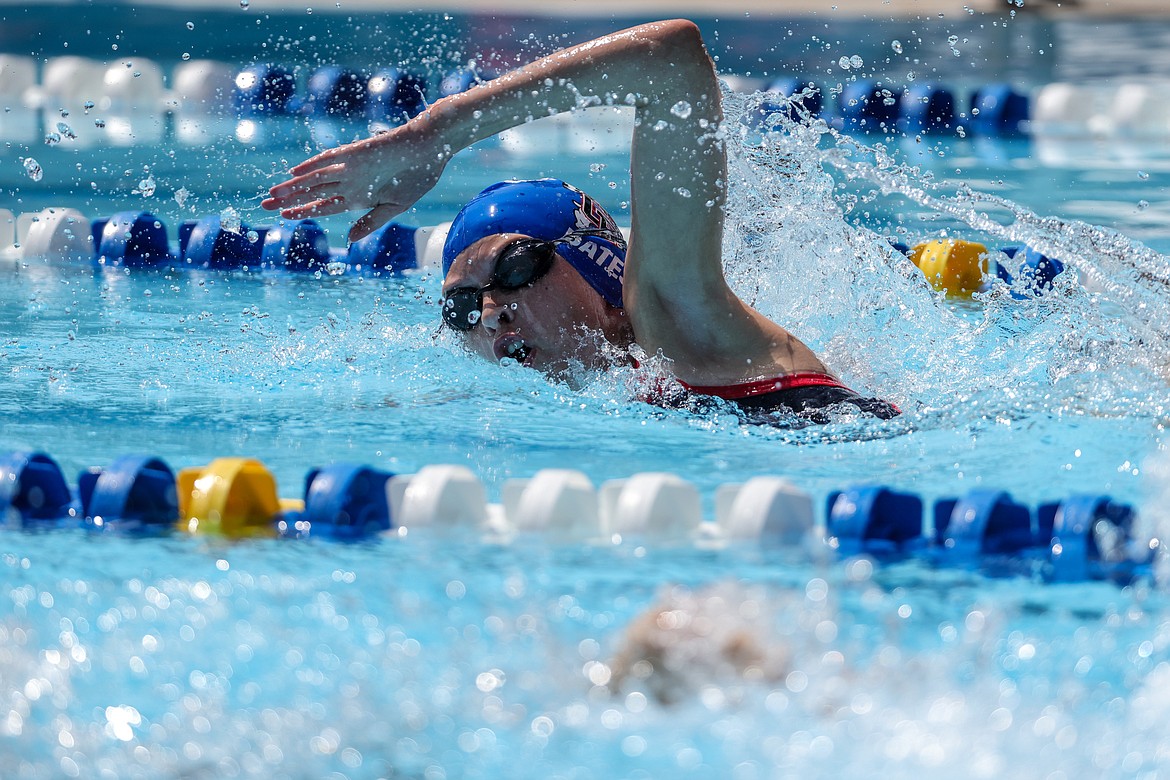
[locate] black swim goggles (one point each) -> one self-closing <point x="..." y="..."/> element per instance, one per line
<point x="521" y="264"/>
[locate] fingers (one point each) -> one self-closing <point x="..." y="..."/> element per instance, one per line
<point x="372" y="220"/>
<point x="306" y="183"/>
<point x="315" y="162"/>
<point x="302" y="199"/>
<point x="318" y="208"/>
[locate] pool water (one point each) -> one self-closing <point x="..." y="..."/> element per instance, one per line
<point x="448" y="655"/>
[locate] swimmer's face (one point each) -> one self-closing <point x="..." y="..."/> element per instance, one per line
<point x="555" y="323"/>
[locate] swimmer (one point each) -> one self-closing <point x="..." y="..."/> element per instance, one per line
<point x="689" y="639"/>
<point x="538" y="272"/>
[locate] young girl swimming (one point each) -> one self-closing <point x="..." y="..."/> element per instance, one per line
<point x="530" y="266"/>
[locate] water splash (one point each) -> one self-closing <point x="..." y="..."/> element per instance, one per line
<point x="32" y="168"/>
<point x="868" y="311"/>
<point x="230" y="220"/>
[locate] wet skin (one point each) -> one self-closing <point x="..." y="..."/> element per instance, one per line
<point x="555" y="324"/>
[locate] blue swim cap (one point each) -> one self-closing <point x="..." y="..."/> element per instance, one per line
<point x="550" y="210"/>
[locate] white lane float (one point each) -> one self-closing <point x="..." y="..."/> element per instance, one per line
<point x="58" y="233"/>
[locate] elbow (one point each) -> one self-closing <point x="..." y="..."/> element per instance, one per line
<point x="679" y="42"/>
<point x="680" y="36"/>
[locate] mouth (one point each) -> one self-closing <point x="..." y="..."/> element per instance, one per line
<point x="513" y="347"/>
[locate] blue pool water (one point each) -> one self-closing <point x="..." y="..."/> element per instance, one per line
<point x="450" y="656"/>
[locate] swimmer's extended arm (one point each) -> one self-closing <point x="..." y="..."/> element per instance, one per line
<point x="654" y="66"/>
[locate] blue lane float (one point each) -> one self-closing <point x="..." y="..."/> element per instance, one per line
<point x="336" y="91"/>
<point x="131" y="239"/>
<point x="927" y="108"/>
<point x="1035" y="271"/>
<point x="206" y="243"/>
<point x="133" y="493"/>
<point x="873" y="520"/>
<point x="869" y="107"/>
<point x="390" y="248"/>
<point x="300" y="245"/>
<point x="1092" y="539"/>
<point x="800" y="96"/>
<point x="998" y="110"/>
<point x="265" y="90"/>
<point x="984" y="522"/>
<point x="395" y="95"/>
<point x="33" y="491"/>
<point x="344" y="501"/>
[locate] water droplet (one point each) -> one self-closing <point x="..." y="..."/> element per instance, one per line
<point x="843" y="63"/>
<point x="230" y="220"/>
<point x="186" y="56"/>
<point x="244" y="4"/>
<point x="181" y="196"/>
<point x="33" y="169"/>
<point x="1143" y="175"/>
<point x="147" y="186"/>
<point x="87" y="105"/>
<point x="681" y="109"/>
<point x="66" y="131"/>
<point x="52" y="139"/>
<point x="473" y="317"/>
<point x="1143" y="204"/>
<point x="962" y="132"/>
<point x="953" y="40"/>
<point x="597" y="167"/>
<point x="856" y="61"/>
<point x="99" y="123"/>
<point x="253" y="236"/>
<point x="683" y="191"/>
<point x="190" y="25"/>
<point x="896" y="46"/>
<point x="335" y="268"/>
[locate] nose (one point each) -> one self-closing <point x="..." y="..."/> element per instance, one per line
<point x="496" y="313"/>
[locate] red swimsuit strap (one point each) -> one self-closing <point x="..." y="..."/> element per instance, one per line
<point x="762" y="386"/>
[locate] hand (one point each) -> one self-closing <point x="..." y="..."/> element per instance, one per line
<point x="386" y="174"/>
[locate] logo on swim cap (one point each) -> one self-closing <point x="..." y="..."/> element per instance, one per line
<point x="551" y="210"/>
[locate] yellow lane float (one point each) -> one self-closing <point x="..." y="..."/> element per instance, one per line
<point x="231" y="496"/>
<point x="953" y="266"/>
